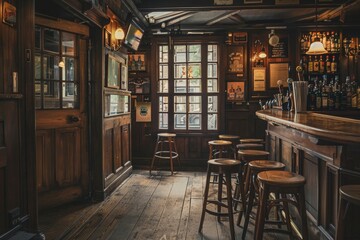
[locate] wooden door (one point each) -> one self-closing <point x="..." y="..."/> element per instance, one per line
<point x="61" y="115"/>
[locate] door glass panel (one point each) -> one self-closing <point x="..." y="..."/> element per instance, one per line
<point x="163" y="104"/>
<point x="212" y="70"/>
<point x="194" y="53"/>
<point x="37" y="37"/>
<point x="195" y="85"/>
<point x="70" y="98"/>
<point x="163" y="86"/>
<point x="37" y="94"/>
<point x="180" y="121"/>
<point x="37" y="66"/>
<point x="68" y="71"/>
<point x="163" y="71"/>
<point x="51" y="90"/>
<point x="68" y="43"/>
<point x="51" y="40"/>
<point x="195" y="121"/>
<point x="180" y="86"/>
<point x="51" y="67"/>
<point x="163" y="121"/>
<point x="212" y="121"/>
<point x="194" y="104"/>
<point x="212" y="85"/>
<point x="180" y="71"/>
<point x="163" y="54"/>
<point x="212" y="104"/>
<point x="212" y="53"/>
<point x="180" y="104"/>
<point x="194" y="70"/>
<point x="180" y="53"/>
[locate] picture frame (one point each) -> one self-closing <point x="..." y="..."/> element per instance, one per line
<point x="107" y="38"/>
<point x="9" y="14"/>
<point x="113" y="73"/>
<point x="239" y="37"/>
<point x="235" y="91"/>
<point x="281" y="50"/>
<point x="143" y="112"/>
<point x="259" y="77"/>
<point x="236" y="59"/>
<point x="137" y="62"/>
<point x="278" y="71"/>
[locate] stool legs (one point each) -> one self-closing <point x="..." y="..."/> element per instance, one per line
<point x="206" y="194"/>
<point x="261" y="212"/>
<point x="153" y="159"/>
<point x="302" y="211"/>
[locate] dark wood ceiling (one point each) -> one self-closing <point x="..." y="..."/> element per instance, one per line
<point x="204" y="16"/>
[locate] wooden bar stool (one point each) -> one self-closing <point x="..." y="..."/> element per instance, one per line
<point x="255" y="167"/>
<point x="218" y="147"/>
<point x="220" y="166"/>
<point x="252" y="140"/>
<point x="280" y="183"/>
<point x="170" y="153"/>
<point x="233" y="139"/>
<point x="250" y="146"/>
<point x="349" y="194"/>
<point x="242" y="186"/>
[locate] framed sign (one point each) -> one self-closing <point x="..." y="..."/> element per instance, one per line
<point x="259" y="76"/>
<point x="137" y="62"/>
<point x="280" y="50"/>
<point x="278" y="71"/>
<point x="143" y="112"/>
<point x="239" y="37"/>
<point x="236" y="60"/>
<point x="113" y="72"/>
<point x="235" y="91"/>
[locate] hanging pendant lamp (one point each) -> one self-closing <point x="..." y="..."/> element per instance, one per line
<point x="316" y="47"/>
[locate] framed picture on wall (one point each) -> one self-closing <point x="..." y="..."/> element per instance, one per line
<point x="236" y="60"/>
<point x="113" y="73"/>
<point x="137" y="62"/>
<point x="235" y="91"/>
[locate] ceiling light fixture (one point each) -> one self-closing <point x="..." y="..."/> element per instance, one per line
<point x="316" y="47"/>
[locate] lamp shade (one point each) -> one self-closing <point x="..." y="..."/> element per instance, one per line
<point x="262" y="53"/>
<point x="119" y="34"/>
<point x="316" y="48"/>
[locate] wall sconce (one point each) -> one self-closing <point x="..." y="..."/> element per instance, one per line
<point x="119" y="37"/>
<point x="261" y="53"/>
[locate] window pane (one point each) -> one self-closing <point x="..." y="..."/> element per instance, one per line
<point x="212" y="53"/>
<point x="195" y="121"/>
<point x="180" y="71"/>
<point x="70" y="96"/>
<point x="163" y="104"/>
<point x="180" y="121"/>
<point x="68" y="43"/>
<point x="163" y="54"/>
<point x="195" y="85"/>
<point x="51" y="40"/>
<point x="180" y="104"/>
<point x="194" y="53"/>
<point x="195" y="104"/>
<point x="37" y="37"/>
<point x="180" y="86"/>
<point x="180" y="53"/>
<point x="51" y="90"/>
<point x="163" y="121"/>
<point x="212" y="70"/>
<point x="194" y="70"/>
<point x="163" y="71"/>
<point x="37" y="94"/>
<point x="163" y="86"/>
<point x="212" y="104"/>
<point x="68" y="71"/>
<point x="51" y="67"/>
<point x="37" y="67"/>
<point x="212" y="85"/>
<point x="212" y="121"/>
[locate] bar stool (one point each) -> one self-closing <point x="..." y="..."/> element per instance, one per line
<point x="250" y="146"/>
<point x="252" y="140"/>
<point x="242" y="186"/>
<point x="169" y="154"/>
<point x="349" y="194"/>
<point x="218" y="147"/>
<point x="233" y="139"/>
<point x="220" y="166"/>
<point x="255" y="167"/>
<point x="280" y="183"/>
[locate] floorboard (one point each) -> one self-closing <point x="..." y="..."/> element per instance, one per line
<point x="157" y="207"/>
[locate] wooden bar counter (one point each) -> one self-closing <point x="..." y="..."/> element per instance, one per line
<point x="324" y="149"/>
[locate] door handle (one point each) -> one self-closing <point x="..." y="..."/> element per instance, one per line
<point x="73" y="119"/>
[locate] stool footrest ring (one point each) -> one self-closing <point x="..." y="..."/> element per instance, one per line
<point x="159" y="154"/>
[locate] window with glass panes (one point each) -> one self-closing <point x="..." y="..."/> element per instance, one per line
<point x="56" y="82"/>
<point x="188" y="93"/>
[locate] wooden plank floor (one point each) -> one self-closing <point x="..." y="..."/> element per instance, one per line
<point x="160" y="207"/>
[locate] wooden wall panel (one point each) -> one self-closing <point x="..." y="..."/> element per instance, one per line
<point x="286" y="155"/>
<point x="2" y="200"/>
<point x="108" y="153"/>
<point x="311" y="174"/>
<point x="68" y="160"/>
<point x="117" y="146"/>
<point x="45" y="170"/>
<point x="125" y="144"/>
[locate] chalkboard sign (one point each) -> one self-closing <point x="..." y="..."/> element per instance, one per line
<point x="280" y="50"/>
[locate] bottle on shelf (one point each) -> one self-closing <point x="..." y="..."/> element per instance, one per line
<point x="328" y="64"/>
<point x="333" y="65"/>
<point x="331" y="96"/>
<point x="338" y="95"/>
<point x="328" y="42"/>
<point x="311" y="98"/>
<point x="324" y="39"/>
<point x="321" y="65"/>
<point x="332" y="42"/>
<point x="316" y="65"/>
<point x="304" y="64"/>
<point x="318" y="105"/>
<point x="310" y="65"/>
<point x="324" y="97"/>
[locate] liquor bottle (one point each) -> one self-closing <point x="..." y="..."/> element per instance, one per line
<point x="324" y="39"/>
<point x="348" y="93"/>
<point x="331" y="97"/>
<point x="333" y="65"/>
<point x="302" y="43"/>
<point x="310" y="65"/>
<point x="311" y="98"/>
<point x="328" y="64"/>
<point x="304" y="64"/>
<point x="336" y="43"/>
<point x="321" y="65"/>
<point x="317" y="90"/>
<point x="332" y="42"/>
<point x="324" y="97"/>
<point x="343" y="105"/>
<point x="316" y="65"/>
<point x="338" y="95"/>
<point x="328" y="42"/>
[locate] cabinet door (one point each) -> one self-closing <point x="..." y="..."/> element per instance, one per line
<point x="125" y="144"/>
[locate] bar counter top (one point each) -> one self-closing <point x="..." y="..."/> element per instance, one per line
<point x="328" y="127"/>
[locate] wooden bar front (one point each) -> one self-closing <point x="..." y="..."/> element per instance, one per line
<point x="325" y="150"/>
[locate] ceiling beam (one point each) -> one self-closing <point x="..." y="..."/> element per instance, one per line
<point x="238" y="19"/>
<point x="179" y="19"/>
<point x="221" y="17"/>
<point x="170" y="16"/>
<point x="337" y="11"/>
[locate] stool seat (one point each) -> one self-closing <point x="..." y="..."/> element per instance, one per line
<point x="250" y="146"/>
<point x="220" y="142"/>
<point x="224" y="162"/>
<point x="166" y="134"/>
<point x="265" y="165"/>
<point x="281" y="178"/>
<point x="251" y="140"/>
<point x="351" y="193"/>
<point x="228" y="137"/>
<point x="251" y="152"/>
